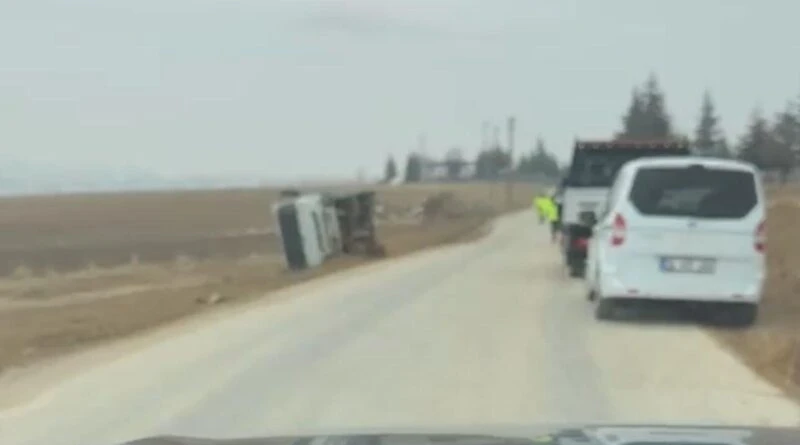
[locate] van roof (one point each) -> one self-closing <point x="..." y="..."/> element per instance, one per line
<point x="682" y="161"/>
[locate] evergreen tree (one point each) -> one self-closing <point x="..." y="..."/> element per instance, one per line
<point x="786" y="129"/>
<point x="540" y="148"/>
<point x="723" y="149"/>
<point x="539" y="162"/>
<point x="647" y="117"/>
<point x="785" y="141"/>
<point x="523" y="165"/>
<point x="543" y="161"/>
<point x="491" y="162"/>
<point x="632" y="120"/>
<point x="413" y="171"/>
<point x="657" y="123"/>
<point x="754" y="145"/>
<point x="708" y="139"/>
<point x="390" y="171"/>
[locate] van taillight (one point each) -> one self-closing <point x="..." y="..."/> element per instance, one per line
<point x="618" y="229"/>
<point x="760" y="243"/>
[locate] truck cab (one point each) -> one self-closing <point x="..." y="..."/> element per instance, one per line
<point x="585" y="187"/>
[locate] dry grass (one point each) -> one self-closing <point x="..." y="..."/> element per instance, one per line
<point x="101" y="219"/>
<point x="772" y="346"/>
<point x="70" y="232"/>
<point x="52" y="313"/>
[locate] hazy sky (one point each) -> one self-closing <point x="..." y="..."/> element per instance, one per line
<point x="302" y="87"/>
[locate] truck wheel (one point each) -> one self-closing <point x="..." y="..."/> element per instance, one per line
<point x="592" y="285"/>
<point x="605" y="310"/>
<point x="577" y="269"/>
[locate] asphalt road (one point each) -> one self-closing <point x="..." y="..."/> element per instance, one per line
<point x="487" y="333"/>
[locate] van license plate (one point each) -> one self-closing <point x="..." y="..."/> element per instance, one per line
<point x="687" y="265"/>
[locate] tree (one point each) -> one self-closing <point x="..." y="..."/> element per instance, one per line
<point x="454" y="162"/>
<point x="390" y="172"/>
<point x="657" y="123"/>
<point x="723" y="149"/>
<point x="786" y="129"/>
<point x="491" y="162"/>
<point x="708" y="138"/>
<point x="632" y="120"/>
<point x="785" y="134"/>
<point x="647" y="117"/>
<point x="755" y="144"/>
<point x="413" y="171"/>
<point x="539" y="162"/>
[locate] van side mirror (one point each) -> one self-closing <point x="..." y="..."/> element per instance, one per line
<point x="588" y="218"/>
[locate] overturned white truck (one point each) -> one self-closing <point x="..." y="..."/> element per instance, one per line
<point x="309" y="230"/>
<point x="314" y="227"/>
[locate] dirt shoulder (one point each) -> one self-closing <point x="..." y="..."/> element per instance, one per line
<point x="772" y="346"/>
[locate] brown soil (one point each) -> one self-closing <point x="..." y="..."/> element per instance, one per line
<point x="772" y="346"/>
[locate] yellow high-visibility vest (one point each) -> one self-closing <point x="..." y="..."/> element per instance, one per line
<point x="547" y="207"/>
<point x="537" y="204"/>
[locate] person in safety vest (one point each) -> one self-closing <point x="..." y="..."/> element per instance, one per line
<point x="539" y="204"/>
<point x="550" y="211"/>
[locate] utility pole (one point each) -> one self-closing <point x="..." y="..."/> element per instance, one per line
<point x="477" y="173"/>
<point x="512" y="122"/>
<point x="494" y="174"/>
<point x="486" y="147"/>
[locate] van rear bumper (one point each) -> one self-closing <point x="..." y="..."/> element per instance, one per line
<point x="734" y="291"/>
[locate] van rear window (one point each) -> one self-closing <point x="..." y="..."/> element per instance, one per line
<point x="694" y="191"/>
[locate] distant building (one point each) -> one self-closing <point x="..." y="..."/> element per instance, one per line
<point x="434" y="170"/>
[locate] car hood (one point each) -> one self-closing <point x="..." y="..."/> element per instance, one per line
<point x="562" y="435"/>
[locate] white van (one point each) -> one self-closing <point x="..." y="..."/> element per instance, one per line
<point x="684" y="229"/>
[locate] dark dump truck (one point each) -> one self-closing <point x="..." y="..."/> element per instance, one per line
<point x="584" y="190"/>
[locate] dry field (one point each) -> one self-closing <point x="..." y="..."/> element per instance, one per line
<point x="82" y="269"/>
<point x="72" y="232"/>
<point x="772" y="346"/>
